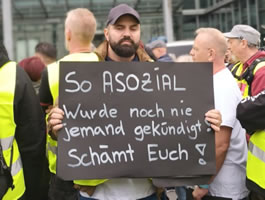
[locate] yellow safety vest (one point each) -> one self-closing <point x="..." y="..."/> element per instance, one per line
<point x="7" y="130"/>
<point x="256" y="151"/>
<point x="242" y="83"/>
<point x="53" y="77"/>
<point x="236" y="70"/>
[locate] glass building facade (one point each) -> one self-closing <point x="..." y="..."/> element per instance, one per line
<point x="220" y="14"/>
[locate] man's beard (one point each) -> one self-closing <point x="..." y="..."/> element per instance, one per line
<point x="124" y="50"/>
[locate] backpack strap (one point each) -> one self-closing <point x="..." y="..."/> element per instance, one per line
<point x="11" y="181"/>
<point x="4" y="169"/>
<point x="3" y="165"/>
<point x="248" y="75"/>
<point x="234" y="70"/>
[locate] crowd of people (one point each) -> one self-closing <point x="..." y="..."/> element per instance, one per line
<point x="30" y="119"/>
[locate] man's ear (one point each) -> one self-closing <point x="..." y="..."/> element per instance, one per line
<point x="106" y="33"/>
<point x="244" y="43"/>
<point x="68" y="34"/>
<point x="211" y="54"/>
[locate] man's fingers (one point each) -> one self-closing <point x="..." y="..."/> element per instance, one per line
<point x="57" y="127"/>
<point x="214" y="118"/>
<point x="55" y="118"/>
<point x="55" y="124"/>
<point x="56" y="115"/>
<point x="214" y="115"/>
<point x="215" y="128"/>
<point x="54" y="121"/>
<point x="213" y="121"/>
<point x="56" y="110"/>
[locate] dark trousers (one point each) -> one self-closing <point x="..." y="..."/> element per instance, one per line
<point x="255" y="196"/>
<point x="45" y="181"/>
<point x="23" y="197"/>
<point x="61" y="190"/>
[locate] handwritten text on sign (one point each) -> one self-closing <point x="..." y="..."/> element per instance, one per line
<point x="135" y="120"/>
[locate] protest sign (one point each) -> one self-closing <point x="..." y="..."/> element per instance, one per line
<point x="135" y="119"/>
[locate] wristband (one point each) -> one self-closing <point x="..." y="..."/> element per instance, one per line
<point x="204" y="186"/>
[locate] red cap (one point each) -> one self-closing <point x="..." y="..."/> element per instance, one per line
<point x="33" y="66"/>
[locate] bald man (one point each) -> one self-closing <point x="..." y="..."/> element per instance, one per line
<point x="231" y="148"/>
<point x="80" y="28"/>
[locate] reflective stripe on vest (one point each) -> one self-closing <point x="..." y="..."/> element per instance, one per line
<point x="16" y="166"/>
<point x="51" y="148"/>
<point x="8" y="127"/>
<point x="7" y="142"/>
<point x="256" y="151"/>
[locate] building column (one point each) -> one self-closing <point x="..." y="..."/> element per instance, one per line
<point x="257" y="14"/>
<point x="197" y="6"/>
<point x="7" y="27"/>
<point x="167" y="13"/>
<point x="233" y="14"/>
<point x="239" y="12"/>
<point x="248" y="13"/>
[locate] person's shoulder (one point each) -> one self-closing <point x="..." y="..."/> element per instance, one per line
<point x="223" y="75"/>
<point x="23" y="84"/>
<point x="52" y="65"/>
<point x="260" y="66"/>
<point x="143" y="56"/>
<point x="165" y="58"/>
<point x="102" y="49"/>
<point x="21" y="74"/>
<point x="257" y="60"/>
<point x="225" y="83"/>
<point x="81" y="56"/>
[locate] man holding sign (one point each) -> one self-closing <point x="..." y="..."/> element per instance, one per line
<point x="123" y="37"/>
<point x="80" y="27"/>
<point x="231" y="148"/>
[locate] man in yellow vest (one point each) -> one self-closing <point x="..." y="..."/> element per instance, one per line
<point x="22" y="133"/>
<point x="122" y="43"/>
<point x="244" y="41"/>
<point x="80" y="28"/>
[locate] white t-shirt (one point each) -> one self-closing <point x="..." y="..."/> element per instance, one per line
<point x="123" y="189"/>
<point x="230" y="180"/>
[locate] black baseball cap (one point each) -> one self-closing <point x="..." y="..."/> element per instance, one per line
<point x="120" y="10"/>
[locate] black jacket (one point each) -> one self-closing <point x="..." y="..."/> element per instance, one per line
<point x="251" y="112"/>
<point x="30" y="131"/>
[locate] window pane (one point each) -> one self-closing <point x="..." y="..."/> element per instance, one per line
<point x="21" y="51"/>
